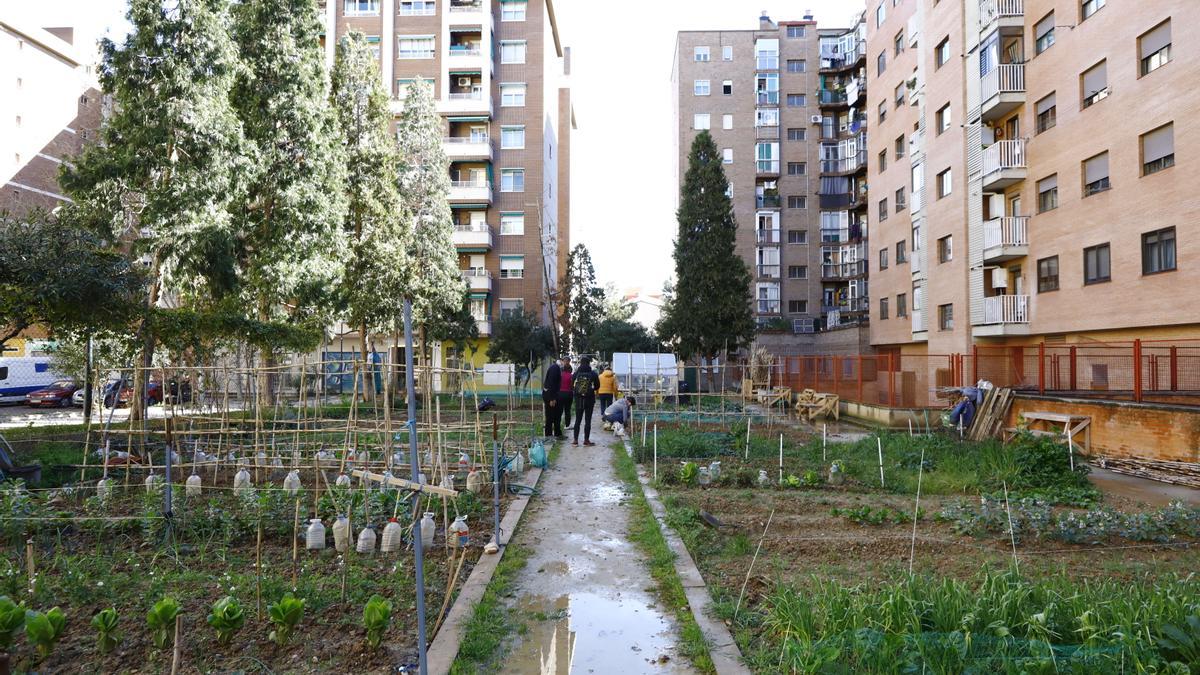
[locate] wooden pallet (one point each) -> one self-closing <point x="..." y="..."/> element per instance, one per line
<point x="989" y="418"/>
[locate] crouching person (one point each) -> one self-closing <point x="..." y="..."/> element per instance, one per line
<point x="618" y="413"/>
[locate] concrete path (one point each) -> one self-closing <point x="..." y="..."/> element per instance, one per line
<point x="586" y="594"/>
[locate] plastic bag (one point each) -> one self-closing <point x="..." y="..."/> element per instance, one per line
<point x="537" y="455"/>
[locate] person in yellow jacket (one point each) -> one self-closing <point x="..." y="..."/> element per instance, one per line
<point x="608" y="387"/>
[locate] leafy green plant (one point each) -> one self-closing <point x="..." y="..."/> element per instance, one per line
<point x="161" y="619"/>
<point x="108" y="635"/>
<point x="688" y="473"/>
<point x="286" y="615"/>
<point x="227" y="617"/>
<point x="44" y="630"/>
<point x="12" y="620"/>
<point x="377" y="616"/>
<point x="1181" y="643"/>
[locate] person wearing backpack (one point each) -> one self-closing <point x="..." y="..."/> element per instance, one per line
<point x="565" y="394"/>
<point x="585" y="384"/>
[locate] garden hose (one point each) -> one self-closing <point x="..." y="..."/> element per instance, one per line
<point x="522" y="490"/>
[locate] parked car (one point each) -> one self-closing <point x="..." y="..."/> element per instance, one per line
<point x="77" y="397"/>
<point x="57" y="394"/>
<point x="118" y="393"/>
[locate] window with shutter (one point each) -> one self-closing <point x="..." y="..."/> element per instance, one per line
<point x="1154" y="48"/>
<point x="1095" y="174"/>
<point x="1048" y="193"/>
<point x="1158" y="149"/>
<point x="1044" y="33"/>
<point x="1047" y="113"/>
<point x="1095" y="84"/>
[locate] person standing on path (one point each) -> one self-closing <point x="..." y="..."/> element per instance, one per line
<point x="608" y="387"/>
<point x="565" y="394"/>
<point x="551" y="383"/>
<point x="585" y="385"/>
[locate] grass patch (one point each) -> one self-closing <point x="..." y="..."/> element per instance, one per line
<point x="491" y="622"/>
<point x="644" y="531"/>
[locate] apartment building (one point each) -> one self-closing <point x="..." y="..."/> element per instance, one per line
<point x="1037" y="141"/>
<point x="499" y="72"/>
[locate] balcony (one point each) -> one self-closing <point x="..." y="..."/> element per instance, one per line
<point x="845" y="164"/>
<point x="766" y="133"/>
<point x="476" y="191"/>
<point x="833" y="98"/>
<point x="1002" y="90"/>
<point x="918" y="321"/>
<point x="767" y="237"/>
<point x="1008" y="16"/>
<point x="767" y="167"/>
<point x="473" y="237"/>
<point x="479" y="281"/>
<point x="844" y="60"/>
<point x="484" y="326"/>
<point x="767" y="202"/>
<point x="767" y="61"/>
<point x="1005" y="238"/>
<point x="846" y="270"/>
<point x="768" y="98"/>
<point x="1003" y="165"/>
<point x="767" y="271"/>
<point x="466" y="102"/>
<point x="767" y="307"/>
<point x="1004" y="315"/>
<point x="467" y="147"/>
<point x="467" y="12"/>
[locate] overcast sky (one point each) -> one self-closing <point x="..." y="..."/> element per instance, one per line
<point x="623" y="154"/>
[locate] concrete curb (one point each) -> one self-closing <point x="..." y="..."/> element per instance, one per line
<point x="445" y="644"/>
<point x="726" y="656"/>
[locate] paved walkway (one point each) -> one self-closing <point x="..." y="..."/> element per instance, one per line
<point x="586" y="594"/>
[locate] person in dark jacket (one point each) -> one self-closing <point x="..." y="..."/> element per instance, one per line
<point x="586" y="384"/>
<point x="551" y="383"/>
<point x="565" y="395"/>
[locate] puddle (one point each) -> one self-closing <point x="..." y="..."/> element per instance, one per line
<point x="606" y="494"/>
<point x="590" y="633"/>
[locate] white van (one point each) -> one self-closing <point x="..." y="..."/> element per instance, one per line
<point x="20" y="375"/>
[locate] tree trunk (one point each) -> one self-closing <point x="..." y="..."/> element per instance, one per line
<point x="362" y="337"/>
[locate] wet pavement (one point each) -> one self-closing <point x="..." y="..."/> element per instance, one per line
<point x="585" y="595"/>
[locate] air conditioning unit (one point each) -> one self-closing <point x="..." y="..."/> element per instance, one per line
<point x="815" y="119"/>
<point x="464" y="81"/>
<point x="843" y="127"/>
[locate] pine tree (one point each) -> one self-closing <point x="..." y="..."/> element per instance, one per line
<point x="289" y="243"/>
<point x="584" y="300"/>
<point x="377" y="226"/>
<point x="709" y="310"/>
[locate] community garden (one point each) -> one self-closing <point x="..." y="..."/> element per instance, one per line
<point x="908" y="552"/>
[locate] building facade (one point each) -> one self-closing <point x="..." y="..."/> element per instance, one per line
<point x="767" y="97"/>
<point x="498" y="70"/>
<point x="1036" y="140"/>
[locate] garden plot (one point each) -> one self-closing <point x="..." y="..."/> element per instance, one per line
<point x="858" y="576"/>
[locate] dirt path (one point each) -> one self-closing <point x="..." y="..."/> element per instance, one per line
<point x="585" y="594"/>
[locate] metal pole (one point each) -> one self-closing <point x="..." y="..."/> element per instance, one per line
<point x="418" y="554"/>
<point x="496" y="481"/>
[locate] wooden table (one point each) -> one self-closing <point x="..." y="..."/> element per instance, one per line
<point x="1070" y="426"/>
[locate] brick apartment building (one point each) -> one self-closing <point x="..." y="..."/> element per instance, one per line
<point x="499" y="72"/>
<point x="768" y="98"/>
<point x="1037" y="141"/>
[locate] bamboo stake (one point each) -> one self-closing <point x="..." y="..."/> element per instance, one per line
<point x="449" y="591"/>
<point x="295" y="542"/>
<point x="752" y="561"/>
<point x="30" y="568"/>
<point x="781" y="459"/>
<point x="879" y="444"/>
<point x="176" y="647"/>
<point x="912" y="549"/>
<point x="258" y="569"/>
<point x="824" y="429"/>
<point x="1012" y="536"/>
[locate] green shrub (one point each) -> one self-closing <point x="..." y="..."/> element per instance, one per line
<point x="108" y="635"/>
<point x="285" y="615"/>
<point x="377" y="616"/>
<point x="44" y="630"/>
<point x="226" y="617"/>
<point x="161" y="620"/>
<point x="12" y="620"/>
<point x="688" y="473"/>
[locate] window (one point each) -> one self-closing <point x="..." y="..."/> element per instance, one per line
<point x="1154" y="48"/>
<point x="795" y="100"/>
<point x="898" y="43"/>
<point x="701" y="88"/>
<point x="1158" y="251"/>
<point x="880" y="14"/>
<point x="899" y="94"/>
<point x="943" y="119"/>
<point x="797" y="271"/>
<point x="513" y="10"/>
<point x="1090" y="7"/>
<point x="901" y="305"/>
<point x="512" y="51"/>
<point x="902" y="252"/>
<point x="701" y="54"/>
<point x="795" y="31"/>
<point x="1158" y="149"/>
<point x="1047" y="113"/>
<point x="512" y="180"/>
<point x="941" y="53"/>
<point x="418" y="8"/>
<point x="727" y="53"/>
<point x="944" y="184"/>
<point x="797" y="168"/>
<point x="360" y="7"/>
<point x="883" y="258"/>
<point x="1094" y="83"/>
<point x="512" y="138"/>
<point x="797" y="307"/>
<point x="881" y="63"/>
<point x="512" y="223"/>
<point x="512" y="95"/>
<point x="882" y="161"/>
<point x="727" y="156"/>
<point x="946" y="317"/>
<point x="701" y="121"/>
<point x="511" y="307"/>
<point x="797" y="236"/>
<point x="727" y="87"/>
<point x="1047" y="274"/>
<point x="1044" y="34"/>
<point x="1047" y="193"/>
<point x="797" y="202"/>
<point x="1097" y="264"/>
<point x="883" y="308"/>
<point x="945" y="249"/>
<point x="796" y="134"/>
<point x="883" y="209"/>
<point x="795" y="65"/>
<point x="415" y="47"/>
<point x="512" y="266"/>
<point x="901" y="202"/>
<point x="882" y="111"/>
<point x="727" y="121"/>
<point x="1095" y="174"/>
